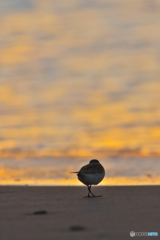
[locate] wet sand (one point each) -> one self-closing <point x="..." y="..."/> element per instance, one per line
<point x="70" y="216"/>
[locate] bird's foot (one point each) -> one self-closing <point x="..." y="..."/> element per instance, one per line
<point x="91" y="196"/>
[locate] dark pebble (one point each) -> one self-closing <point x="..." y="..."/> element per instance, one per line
<point x="40" y="212"/>
<point x="77" y="228"/>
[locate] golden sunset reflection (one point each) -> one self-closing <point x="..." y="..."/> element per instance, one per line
<point x="79" y="81"/>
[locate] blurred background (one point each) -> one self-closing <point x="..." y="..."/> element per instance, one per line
<point x="79" y="80"/>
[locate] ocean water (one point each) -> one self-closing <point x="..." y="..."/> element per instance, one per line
<point x="79" y="80"/>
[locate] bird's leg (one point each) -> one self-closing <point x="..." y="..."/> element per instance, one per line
<point x="89" y="189"/>
<point x="88" y="196"/>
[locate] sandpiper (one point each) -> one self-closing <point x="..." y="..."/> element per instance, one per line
<point x="91" y="174"/>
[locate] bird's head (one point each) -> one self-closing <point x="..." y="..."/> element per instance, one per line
<point x="94" y="161"/>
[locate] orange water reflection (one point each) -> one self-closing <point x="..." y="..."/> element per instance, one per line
<point x="116" y="181"/>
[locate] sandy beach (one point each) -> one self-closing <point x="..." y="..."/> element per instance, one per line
<point x="70" y="216"/>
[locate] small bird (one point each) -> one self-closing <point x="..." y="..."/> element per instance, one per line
<point x="91" y="174"/>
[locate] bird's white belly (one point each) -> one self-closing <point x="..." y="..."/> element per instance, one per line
<point x="89" y="179"/>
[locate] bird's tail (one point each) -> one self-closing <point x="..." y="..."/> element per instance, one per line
<point x="74" y="172"/>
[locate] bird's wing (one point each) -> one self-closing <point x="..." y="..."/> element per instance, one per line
<point x="91" y="169"/>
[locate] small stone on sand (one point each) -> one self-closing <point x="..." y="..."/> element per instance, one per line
<point x="40" y="212"/>
<point x="77" y="228"/>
